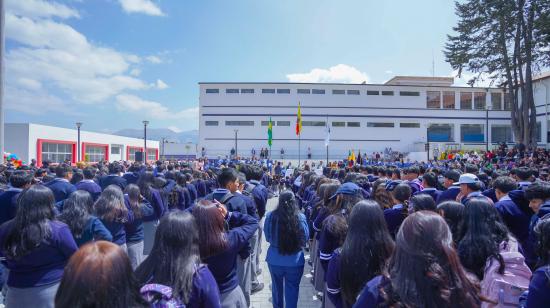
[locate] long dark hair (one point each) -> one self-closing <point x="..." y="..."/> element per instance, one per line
<point x="110" y="206"/>
<point x="285" y="219"/>
<point x="31" y="225"/>
<point x="452" y="212"/>
<point x="99" y="275"/>
<point x="134" y="196"/>
<point x="175" y="256"/>
<point x="210" y="223"/>
<point x="145" y="183"/>
<point x="76" y="211"/>
<point x="481" y="233"/>
<point x="425" y="270"/>
<point x="179" y="190"/>
<point x="366" y="250"/>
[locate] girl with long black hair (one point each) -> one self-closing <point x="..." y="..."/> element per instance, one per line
<point x="175" y="262"/>
<point x="141" y="210"/>
<point x="153" y="196"/>
<point x="287" y="232"/>
<point x="363" y="256"/>
<point x="400" y="209"/>
<point x="114" y="213"/>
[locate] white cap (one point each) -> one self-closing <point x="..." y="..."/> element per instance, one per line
<point x="467" y="178"/>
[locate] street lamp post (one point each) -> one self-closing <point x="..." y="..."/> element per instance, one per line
<point x="145" y="123"/>
<point x="236" y="144"/>
<point x="78" y="155"/>
<point x="487" y="120"/>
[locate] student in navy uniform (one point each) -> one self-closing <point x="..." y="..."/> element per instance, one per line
<point x="140" y="209"/>
<point x="539" y="287"/>
<point x="524" y="176"/>
<point x="19" y="180"/>
<point x="228" y="180"/>
<point x="175" y="262"/>
<point x="453" y="213"/>
<point x="192" y="189"/>
<point x="99" y="275"/>
<point x="452" y="190"/>
<point x="470" y="188"/>
<point x="60" y="186"/>
<point x="400" y="209"/>
<point x="88" y="183"/>
<point x="219" y="248"/>
<point x="77" y="214"/>
<point x="132" y="176"/>
<point x="180" y="197"/>
<point x="36" y="248"/>
<point x="350" y="267"/>
<point x="113" y="212"/>
<point x="422" y="202"/>
<point x="429" y="182"/>
<point x="114" y="177"/>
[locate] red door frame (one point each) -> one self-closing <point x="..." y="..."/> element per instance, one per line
<point x="106" y="146"/>
<point x="128" y="147"/>
<point x="39" y="143"/>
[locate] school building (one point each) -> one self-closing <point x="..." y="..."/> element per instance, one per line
<point x="405" y="113"/>
<point x="34" y="141"/>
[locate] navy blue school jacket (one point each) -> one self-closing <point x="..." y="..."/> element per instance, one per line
<point x="333" y="280"/>
<point x="517" y="222"/>
<point x="224" y="265"/>
<point x="448" y="195"/>
<point x="370" y="295"/>
<point x="90" y="186"/>
<point x="61" y="188"/>
<point x="201" y="188"/>
<point x="112" y="179"/>
<point x="232" y="204"/>
<point x="394" y="217"/>
<point x="93" y="230"/>
<point x="8" y="204"/>
<point x="491" y="194"/>
<point x="131" y="177"/>
<point x="328" y="242"/>
<point x="192" y="191"/>
<point x="539" y="288"/>
<point x="260" y="195"/>
<point x="117" y="227"/>
<point x="134" y="226"/>
<point x="432" y="192"/>
<point x="250" y="204"/>
<point x="158" y="205"/>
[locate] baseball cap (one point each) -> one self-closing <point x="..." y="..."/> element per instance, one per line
<point x="347" y="189"/>
<point x="467" y="178"/>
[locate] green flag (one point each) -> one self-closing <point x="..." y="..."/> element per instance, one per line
<point x="270" y="132"/>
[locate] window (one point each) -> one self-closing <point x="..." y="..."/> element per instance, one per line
<point x="479" y="100"/>
<point x="338" y="92"/>
<point x="57" y="152"/>
<point x="409" y="125"/>
<point x="151" y="154"/>
<point x="212" y="91"/>
<point x="373" y="92"/>
<point x="448" y="100"/>
<point x="283" y="123"/>
<point x="433" y="99"/>
<point x="440" y="132"/>
<point x="465" y="100"/>
<point x="211" y="123"/>
<point x="380" y="124"/>
<point x="501" y="133"/>
<point x="472" y="133"/>
<point x="94" y="153"/>
<point x="496" y="101"/>
<point x="132" y="152"/>
<point x="318" y="91"/>
<point x="265" y="123"/>
<point x="232" y="91"/>
<point x="283" y="91"/>
<point x="538" y="131"/>
<point x="268" y="91"/>
<point x="387" y="93"/>
<point x="313" y="123"/>
<point x="304" y="91"/>
<point x="247" y="91"/>
<point x="239" y="123"/>
<point x="507" y="102"/>
<point x="409" y="93"/>
<point x="354" y="124"/>
<point x="338" y="124"/>
<point x="115" y="150"/>
<point x="353" y="92"/>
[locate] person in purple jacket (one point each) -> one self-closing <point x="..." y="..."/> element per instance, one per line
<point x="60" y="186"/>
<point x="88" y="183"/>
<point x="36" y="248"/>
<point x="153" y="196"/>
<point x="175" y="262"/>
<point x="114" y="177"/>
<point x="399" y="211"/>
<point x="539" y="287"/>
<point x="141" y="209"/>
<point x="450" y="177"/>
<point x="220" y="249"/>
<point x="113" y="212"/>
<point x="19" y="180"/>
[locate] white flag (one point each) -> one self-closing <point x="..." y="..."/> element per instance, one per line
<point x="327" y="134"/>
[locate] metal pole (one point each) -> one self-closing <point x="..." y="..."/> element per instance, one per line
<point x="145" y="140"/>
<point x="78" y="155"/>
<point x="299" y="148"/>
<point x="327" y="155"/>
<point x="236" y="144"/>
<point x="2" y="39"/>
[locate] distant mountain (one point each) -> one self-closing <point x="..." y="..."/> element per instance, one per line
<point x="159" y="133"/>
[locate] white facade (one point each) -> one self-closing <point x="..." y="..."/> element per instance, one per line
<point x="404" y="114"/>
<point x="33" y="141"/>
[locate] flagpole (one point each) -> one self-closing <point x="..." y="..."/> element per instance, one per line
<point x="299" y="148"/>
<point x="327" y="143"/>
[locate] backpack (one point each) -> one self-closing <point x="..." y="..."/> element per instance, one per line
<point x="248" y="189"/>
<point x="160" y="296"/>
<point x="506" y="289"/>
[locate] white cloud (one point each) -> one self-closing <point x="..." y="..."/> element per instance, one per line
<point x="484" y="79"/>
<point x="132" y="103"/>
<point x="135" y="72"/>
<point x="161" y="85"/>
<point x="38" y="8"/>
<point x="175" y="129"/>
<point x="154" y="59"/>
<point x="389" y="72"/>
<point x="29" y="83"/>
<point x="339" y="73"/>
<point x="35" y="102"/>
<point x="141" y="6"/>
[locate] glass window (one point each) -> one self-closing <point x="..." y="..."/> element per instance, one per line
<point x="538" y="131"/>
<point x="338" y="124"/>
<point x="304" y="91"/>
<point x="409" y="125"/>
<point x="472" y="133"/>
<point x="212" y="91"/>
<point x="57" y="152"/>
<point x="265" y="123"/>
<point x="94" y="153"/>
<point x="409" y="93"/>
<point x="318" y="91"/>
<point x="283" y="91"/>
<point x="211" y="123"/>
<point x="313" y="123"/>
<point x="247" y="91"/>
<point x="440" y="132"/>
<point x="132" y="152"/>
<point x="338" y="92"/>
<point x="496" y="101"/>
<point x="371" y="92"/>
<point x="151" y="154"/>
<point x="354" y="124"/>
<point x="268" y="91"/>
<point x="501" y="133"/>
<point x="353" y="92"/>
<point x="283" y="123"/>
<point x="465" y="100"/>
<point x="507" y="102"/>
<point x="387" y="93"/>
<point x="433" y="99"/>
<point x="479" y="100"/>
<point x="115" y="150"/>
<point x="239" y="123"/>
<point x="448" y="100"/>
<point x="232" y="91"/>
<point x="380" y="124"/>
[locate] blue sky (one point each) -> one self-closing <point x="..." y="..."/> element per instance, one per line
<point x="113" y="63"/>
